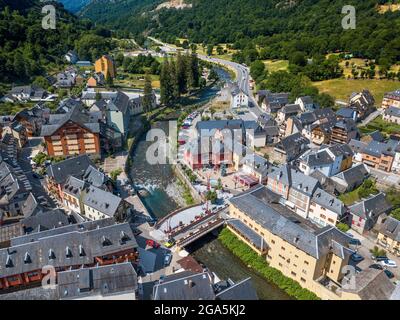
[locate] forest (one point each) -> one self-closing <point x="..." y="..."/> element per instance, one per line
<point x="26" y="49"/>
<point x="281" y="28"/>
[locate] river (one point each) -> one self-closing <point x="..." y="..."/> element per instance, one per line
<point x="163" y="197"/>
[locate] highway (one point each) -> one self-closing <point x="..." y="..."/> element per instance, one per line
<point x="242" y="75"/>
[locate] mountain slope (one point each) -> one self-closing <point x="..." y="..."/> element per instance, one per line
<point x="74" y="5"/>
<point x="27" y="50"/>
<point x="282" y="27"/>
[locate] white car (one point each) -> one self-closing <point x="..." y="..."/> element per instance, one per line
<point x="388" y="263"/>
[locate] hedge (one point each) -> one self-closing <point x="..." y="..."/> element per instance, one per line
<point x="259" y="264"/>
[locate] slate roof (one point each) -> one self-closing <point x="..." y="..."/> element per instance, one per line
<point x="76" y="167"/>
<point x="295" y="179"/>
<point x="329" y="202"/>
<point x="290" y="108"/>
<point x="391" y="228"/>
<point x="347" y="113"/>
<point x="185" y="286"/>
<point x="103" y="201"/>
<point x="315" y="242"/>
<point x="353" y="176"/>
<point x="373" y="206"/>
<point x="372" y="284"/>
<point x="45" y="221"/>
<point x="291" y="144"/>
<point x="94" y="176"/>
<point x="392" y="112"/>
<point x="66" y="249"/>
<point x="376" y="149"/>
<point x="242" y="290"/>
<point x="357" y="145"/>
<point x="77" y="115"/>
<point x="73" y="186"/>
<point x="120" y="102"/>
<point x="102" y="280"/>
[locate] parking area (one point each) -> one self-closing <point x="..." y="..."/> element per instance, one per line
<point x="364" y="250"/>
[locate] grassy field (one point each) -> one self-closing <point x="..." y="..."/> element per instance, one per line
<point x="136" y="80"/>
<point x="382" y="126"/>
<point x="276" y="65"/>
<point x="343" y="88"/>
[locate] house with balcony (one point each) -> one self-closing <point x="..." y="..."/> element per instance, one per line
<point x="343" y="131"/>
<point x="391" y="99"/>
<point x="73" y="133"/>
<point x="380" y="155"/>
<point x="363" y="103"/>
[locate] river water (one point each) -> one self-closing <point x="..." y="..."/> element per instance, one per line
<point x="163" y="197"/>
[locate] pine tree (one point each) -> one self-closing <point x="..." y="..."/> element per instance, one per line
<point x="194" y="71"/>
<point x="173" y="70"/>
<point x="181" y="74"/>
<point x="148" y="91"/>
<point x="165" y="82"/>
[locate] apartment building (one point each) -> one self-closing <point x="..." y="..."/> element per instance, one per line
<point x="326" y="209"/>
<point x="392" y="115"/>
<point x="389" y="235"/>
<point x="391" y="99"/>
<point x="343" y="131"/>
<point x="66" y="248"/>
<point x="380" y="155"/>
<point x="72" y="134"/>
<point x="106" y="66"/>
<point x="311" y="256"/>
<point x="295" y="188"/>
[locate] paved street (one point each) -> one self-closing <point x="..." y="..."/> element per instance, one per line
<point x="386" y="178"/>
<point x="37" y="184"/>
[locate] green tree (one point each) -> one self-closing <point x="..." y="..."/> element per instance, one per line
<point x="395" y="214"/>
<point x="147" y="93"/>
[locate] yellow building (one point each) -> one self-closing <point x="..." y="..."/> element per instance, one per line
<point x="106" y="66"/>
<point x="312" y="256"/>
<point x="389" y="235"/>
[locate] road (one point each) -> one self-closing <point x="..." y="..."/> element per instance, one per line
<point x="372" y="117"/>
<point x="386" y="178"/>
<point x="37" y="184"/>
<point x="242" y="75"/>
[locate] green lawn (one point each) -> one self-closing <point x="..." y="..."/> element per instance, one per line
<point x="350" y="198"/>
<point x="380" y="125"/>
<point x="343" y="88"/>
<point x="135" y="80"/>
<point x="276" y="65"/>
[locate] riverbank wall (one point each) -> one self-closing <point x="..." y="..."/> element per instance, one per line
<point x="182" y="176"/>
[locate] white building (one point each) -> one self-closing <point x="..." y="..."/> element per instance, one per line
<point x="239" y="99"/>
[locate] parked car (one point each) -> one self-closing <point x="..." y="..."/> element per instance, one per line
<point x="389" y="274"/>
<point x="355" y="242"/>
<point x="152" y="243"/>
<point x="389" y="263"/>
<point x="356" y="257"/>
<point x="376" y="266"/>
<point x="379" y="258"/>
<point x="167" y="259"/>
<point x="170" y="243"/>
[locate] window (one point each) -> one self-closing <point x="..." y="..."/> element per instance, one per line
<point x="283" y="248"/>
<point x="273" y="241"/>
<point x="280" y="264"/>
<point x="333" y="262"/>
<point x="303" y="280"/>
<point x="293" y="273"/>
<point x="306" y="262"/>
<point x="304" y="271"/>
<point x="296" y="256"/>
